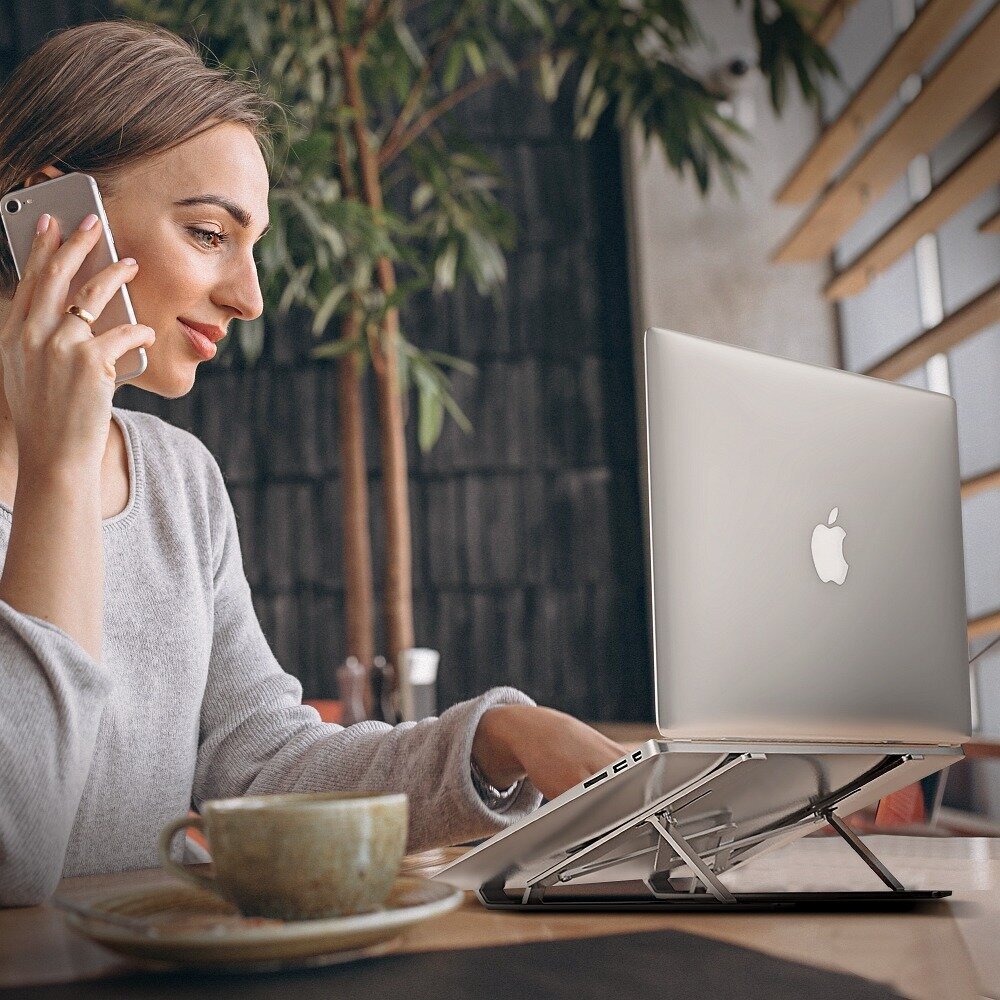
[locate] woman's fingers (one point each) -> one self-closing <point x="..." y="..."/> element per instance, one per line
<point x="108" y="347"/>
<point x="95" y="295"/>
<point x="56" y="274"/>
<point x="45" y="244"/>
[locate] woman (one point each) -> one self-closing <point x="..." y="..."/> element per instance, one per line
<point x="136" y="680"/>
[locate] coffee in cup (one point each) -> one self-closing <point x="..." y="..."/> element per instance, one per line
<point x="298" y="856"/>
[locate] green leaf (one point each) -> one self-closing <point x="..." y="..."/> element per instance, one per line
<point x="459" y="364"/>
<point x="475" y="56"/>
<point x="552" y="70"/>
<point x="455" y="411"/>
<point x="533" y="12"/>
<point x="421" y="198"/>
<point x="595" y="107"/>
<point x="454" y="63"/>
<point x="430" y="419"/>
<point x="408" y="43"/>
<point x="586" y="85"/>
<point x="336" y="349"/>
<point x="329" y="306"/>
<point x="445" y="266"/>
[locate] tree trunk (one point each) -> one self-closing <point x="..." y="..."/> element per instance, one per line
<point x="358" y="588"/>
<point x="395" y="483"/>
<point x="395" y="495"/>
<point x="354" y="479"/>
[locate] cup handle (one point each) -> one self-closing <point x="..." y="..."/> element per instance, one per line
<point x="166" y="839"/>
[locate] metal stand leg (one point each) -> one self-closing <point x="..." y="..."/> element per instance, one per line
<point x="705" y="874"/>
<point x="535" y="887"/>
<point x="862" y="851"/>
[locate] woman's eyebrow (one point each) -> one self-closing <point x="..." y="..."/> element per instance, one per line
<point x="238" y="212"/>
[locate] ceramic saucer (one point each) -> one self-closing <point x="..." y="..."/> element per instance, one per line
<point x="187" y="926"/>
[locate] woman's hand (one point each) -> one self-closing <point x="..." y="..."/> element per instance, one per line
<point x="59" y="380"/>
<point x="554" y="750"/>
<point x="58" y="377"/>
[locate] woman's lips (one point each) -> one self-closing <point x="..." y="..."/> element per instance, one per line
<point x="203" y="347"/>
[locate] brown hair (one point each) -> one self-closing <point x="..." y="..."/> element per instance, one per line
<point x="99" y="97"/>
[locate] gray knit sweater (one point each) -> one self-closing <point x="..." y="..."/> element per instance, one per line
<point x="189" y="703"/>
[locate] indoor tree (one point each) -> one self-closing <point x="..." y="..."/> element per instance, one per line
<point x="376" y="195"/>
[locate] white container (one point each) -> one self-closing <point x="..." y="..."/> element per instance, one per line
<point x="418" y="683"/>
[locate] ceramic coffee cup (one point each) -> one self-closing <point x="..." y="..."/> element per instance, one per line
<point x="301" y="856"/>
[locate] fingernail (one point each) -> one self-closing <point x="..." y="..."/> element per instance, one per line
<point x="89" y="222"/>
<point x="43" y="223"/>
<point x="129" y="261"/>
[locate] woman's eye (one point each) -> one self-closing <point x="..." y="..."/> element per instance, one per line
<point x="208" y="237"/>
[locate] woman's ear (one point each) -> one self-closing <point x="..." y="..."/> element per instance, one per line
<point x="49" y="173"/>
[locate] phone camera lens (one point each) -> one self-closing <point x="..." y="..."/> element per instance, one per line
<point x="13" y="206"/>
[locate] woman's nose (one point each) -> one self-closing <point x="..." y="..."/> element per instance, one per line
<point x="241" y="292"/>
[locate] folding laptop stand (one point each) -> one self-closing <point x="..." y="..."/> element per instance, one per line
<point x="670" y="851"/>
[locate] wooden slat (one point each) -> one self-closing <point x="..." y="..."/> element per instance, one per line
<point x="991" y="225"/>
<point x="989" y="624"/>
<point x="962" y="83"/>
<point x="974" y="316"/>
<point x="980" y="484"/>
<point x="982" y="748"/>
<point x="912" y="49"/>
<point x="830" y="21"/>
<point x="976" y="174"/>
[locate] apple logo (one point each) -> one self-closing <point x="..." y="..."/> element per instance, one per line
<point x="828" y="550"/>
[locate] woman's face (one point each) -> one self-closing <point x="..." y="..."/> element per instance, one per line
<point x="190" y="217"/>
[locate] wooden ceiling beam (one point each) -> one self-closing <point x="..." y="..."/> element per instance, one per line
<point x="981" y="483"/>
<point x="985" y="625"/>
<point x="981" y="312"/>
<point x="921" y="39"/>
<point x="991" y="225"/>
<point x="831" y="19"/>
<point x="969" y="75"/>
<point x="976" y="174"/>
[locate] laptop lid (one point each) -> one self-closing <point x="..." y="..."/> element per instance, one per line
<point x="806" y="545"/>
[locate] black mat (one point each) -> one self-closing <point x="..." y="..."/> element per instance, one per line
<point x="645" y="966"/>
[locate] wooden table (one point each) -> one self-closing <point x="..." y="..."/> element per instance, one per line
<point x="941" y="950"/>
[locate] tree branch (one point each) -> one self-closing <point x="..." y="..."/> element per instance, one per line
<point x="375" y="13"/>
<point x="346" y="176"/>
<point x="435" y="56"/>
<point x="338" y="8"/>
<point x="389" y="152"/>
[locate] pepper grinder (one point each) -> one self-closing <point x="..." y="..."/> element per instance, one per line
<point x="384" y="690"/>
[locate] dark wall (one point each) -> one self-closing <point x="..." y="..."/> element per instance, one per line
<point x="528" y="555"/>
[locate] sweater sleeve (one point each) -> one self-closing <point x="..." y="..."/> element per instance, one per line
<point x="256" y="736"/>
<point x="53" y="697"/>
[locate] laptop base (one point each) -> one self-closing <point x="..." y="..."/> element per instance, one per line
<point x="630" y="896"/>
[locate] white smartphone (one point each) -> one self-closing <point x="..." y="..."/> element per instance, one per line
<point x="69" y="200"/>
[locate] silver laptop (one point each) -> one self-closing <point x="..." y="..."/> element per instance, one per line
<point x="807" y="560"/>
<point x="809" y="632"/>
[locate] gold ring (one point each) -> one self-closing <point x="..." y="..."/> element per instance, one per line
<point x="89" y="318"/>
